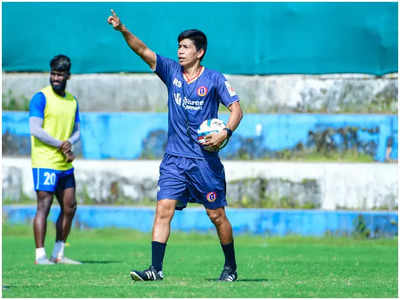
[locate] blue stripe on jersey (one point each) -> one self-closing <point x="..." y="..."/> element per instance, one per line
<point x="77" y="119"/>
<point x="37" y="105"/>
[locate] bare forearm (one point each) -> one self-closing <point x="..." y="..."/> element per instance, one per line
<point x="235" y="116"/>
<point x="139" y="47"/>
<point x="133" y="42"/>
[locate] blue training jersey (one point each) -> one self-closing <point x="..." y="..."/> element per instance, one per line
<point x="189" y="104"/>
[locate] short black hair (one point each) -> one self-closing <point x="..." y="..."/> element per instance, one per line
<point x="198" y="37"/>
<point x="60" y="63"/>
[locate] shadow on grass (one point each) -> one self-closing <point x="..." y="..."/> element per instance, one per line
<point x="244" y="280"/>
<point x="101" y="262"/>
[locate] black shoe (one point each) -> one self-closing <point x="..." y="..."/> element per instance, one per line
<point x="228" y="274"/>
<point x="146" y="275"/>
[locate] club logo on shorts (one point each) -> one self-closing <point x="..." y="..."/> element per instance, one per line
<point x="202" y="91"/>
<point x="211" y="196"/>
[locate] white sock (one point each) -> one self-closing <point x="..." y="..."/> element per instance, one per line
<point x="58" y="250"/>
<point x="40" y="253"/>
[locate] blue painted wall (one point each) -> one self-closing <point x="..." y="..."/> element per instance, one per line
<point x="244" y="221"/>
<point x="136" y="135"/>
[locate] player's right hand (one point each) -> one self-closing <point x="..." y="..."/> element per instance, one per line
<point x="114" y="21"/>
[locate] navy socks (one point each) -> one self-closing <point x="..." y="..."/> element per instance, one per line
<point x="157" y="251"/>
<point x="229" y="252"/>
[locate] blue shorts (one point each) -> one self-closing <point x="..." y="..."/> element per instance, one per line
<point x="50" y="180"/>
<point x="192" y="180"/>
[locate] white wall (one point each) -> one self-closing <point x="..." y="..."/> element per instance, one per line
<point x="263" y="94"/>
<point x="344" y="185"/>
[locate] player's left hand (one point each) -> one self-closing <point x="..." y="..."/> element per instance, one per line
<point x="215" y="139"/>
<point x="65" y="147"/>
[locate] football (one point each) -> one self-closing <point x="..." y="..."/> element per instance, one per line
<point x="208" y="127"/>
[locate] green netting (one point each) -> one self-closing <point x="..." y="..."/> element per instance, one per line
<point x="244" y="38"/>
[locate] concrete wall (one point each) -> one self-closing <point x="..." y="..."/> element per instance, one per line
<point x="327" y="186"/>
<point x="355" y="93"/>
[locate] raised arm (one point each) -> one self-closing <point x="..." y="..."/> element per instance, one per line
<point x="133" y="42"/>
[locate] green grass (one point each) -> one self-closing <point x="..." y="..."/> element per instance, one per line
<point x="267" y="267"/>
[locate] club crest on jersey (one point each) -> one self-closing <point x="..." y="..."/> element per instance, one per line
<point x="202" y="91"/>
<point x="231" y="91"/>
<point x="211" y="196"/>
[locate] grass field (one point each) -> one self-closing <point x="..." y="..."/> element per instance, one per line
<point x="267" y="267"/>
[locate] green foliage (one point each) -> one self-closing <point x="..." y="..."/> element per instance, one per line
<point x="361" y="230"/>
<point x="260" y="192"/>
<point x="268" y="267"/>
<point x="12" y="102"/>
<point x="84" y="198"/>
<point x="385" y="102"/>
<point x="23" y="200"/>
<point x="348" y="156"/>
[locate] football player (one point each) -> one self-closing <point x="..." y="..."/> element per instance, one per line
<point x="189" y="173"/>
<point x="54" y="126"/>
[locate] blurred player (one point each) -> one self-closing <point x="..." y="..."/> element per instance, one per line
<point x="188" y="173"/>
<point x="54" y="126"/>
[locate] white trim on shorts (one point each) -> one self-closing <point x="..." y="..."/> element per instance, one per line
<point x="37" y="178"/>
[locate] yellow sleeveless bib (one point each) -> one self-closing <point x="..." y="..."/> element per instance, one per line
<point x="59" y="120"/>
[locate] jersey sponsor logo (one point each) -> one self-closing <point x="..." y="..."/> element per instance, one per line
<point x="177" y="83"/>
<point x="211" y="196"/>
<point x="187" y="103"/>
<point x="231" y="91"/>
<point x="192" y="104"/>
<point x="202" y="91"/>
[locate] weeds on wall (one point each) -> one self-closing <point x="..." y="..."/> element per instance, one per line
<point x="14" y="103"/>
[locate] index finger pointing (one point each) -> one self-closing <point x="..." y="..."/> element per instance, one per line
<point x="113" y="12"/>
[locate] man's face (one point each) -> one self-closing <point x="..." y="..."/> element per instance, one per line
<point x="58" y="80"/>
<point x="187" y="53"/>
